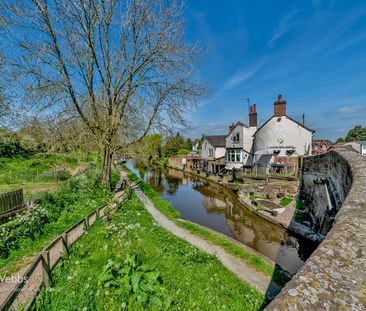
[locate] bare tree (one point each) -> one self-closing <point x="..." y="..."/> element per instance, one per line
<point x="124" y="65"/>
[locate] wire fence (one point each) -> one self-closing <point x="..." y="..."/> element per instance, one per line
<point x="33" y="176"/>
<point x="39" y="273"/>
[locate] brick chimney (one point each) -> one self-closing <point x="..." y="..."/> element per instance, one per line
<point x="253" y="115"/>
<point x="280" y="107"/>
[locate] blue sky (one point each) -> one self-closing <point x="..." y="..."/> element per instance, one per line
<point x="313" y="52"/>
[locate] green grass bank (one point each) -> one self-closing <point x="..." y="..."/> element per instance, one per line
<point x="131" y="263"/>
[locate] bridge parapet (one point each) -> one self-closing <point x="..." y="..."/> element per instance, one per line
<point x="334" y="276"/>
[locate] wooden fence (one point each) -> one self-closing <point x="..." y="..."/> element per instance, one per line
<point x="11" y="203"/>
<point x="40" y="272"/>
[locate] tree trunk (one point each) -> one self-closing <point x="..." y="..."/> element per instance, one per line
<point x="107" y="167"/>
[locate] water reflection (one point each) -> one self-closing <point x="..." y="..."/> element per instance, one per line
<point x="218" y="208"/>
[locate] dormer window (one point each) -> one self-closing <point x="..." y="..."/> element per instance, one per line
<point x="278" y="119"/>
<point x="235" y="137"/>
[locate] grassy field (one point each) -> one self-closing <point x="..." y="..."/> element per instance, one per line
<point x="252" y="259"/>
<point x="38" y="168"/>
<point x="132" y="263"/>
<point x="28" y="233"/>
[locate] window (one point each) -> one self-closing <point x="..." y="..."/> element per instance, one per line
<point x="235" y="137"/>
<point x="210" y="152"/>
<point x="233" y="155"/>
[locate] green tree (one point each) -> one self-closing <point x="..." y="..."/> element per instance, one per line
<point x="124" y="67"/>
<point x="357" y="133"/>
<point x="151" y="147"/>
<point x="173" y="144"/>
<point x="188" y="144"/>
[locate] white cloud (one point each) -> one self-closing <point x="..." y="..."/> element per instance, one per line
<point x="243" y="74"/>
<point x="282" y="27"/>
<point x="351" y="109"/>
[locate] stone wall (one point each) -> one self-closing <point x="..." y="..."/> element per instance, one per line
<point x="325" y="182"/>
<point x="334" y="276"/>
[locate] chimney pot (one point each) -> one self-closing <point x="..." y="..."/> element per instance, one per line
<point x="255" y="108"/>
<point x="279" y="97"/>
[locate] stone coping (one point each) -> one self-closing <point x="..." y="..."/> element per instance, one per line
<point x="334" y="276"/>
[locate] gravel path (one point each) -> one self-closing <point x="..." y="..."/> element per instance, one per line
<point x="262" y="283"/>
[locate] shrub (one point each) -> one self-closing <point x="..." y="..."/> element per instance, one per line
<point x="50" y="206"/>
<point x="62" y="175"/>
<point x="26" y="225"/>
<point x="183" y="152"/>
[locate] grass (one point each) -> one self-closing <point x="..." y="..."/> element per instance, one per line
<point x="63" y="208"/>
<point x="162" y="205"/>
<point x="38" y="168"/>
<point x="253" y="197"/>
<point x="32" y="190"/>
<point x="251" y="259"/>
<point x="182" y="277"/>
<point x="285" y="201"/>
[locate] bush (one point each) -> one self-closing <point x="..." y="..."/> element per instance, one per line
<point x="183" y="152"/>
<point x="26" y="225"/>
<point x="31" y="224"/>
<point x="62" y="175"/>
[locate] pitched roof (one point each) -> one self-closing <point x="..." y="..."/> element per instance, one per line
<point x="216" y="140"/>
<point x="234" y="126"/>
<point x="293" y="120"/>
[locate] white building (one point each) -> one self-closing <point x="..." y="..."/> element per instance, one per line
<point x="195" y="145"/>
<point x="281" y="136"/>
<point x="213" y="153"/>
<point x="239" y="142"/>
<point x="359" y="146"/>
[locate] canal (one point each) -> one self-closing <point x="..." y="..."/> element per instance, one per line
<point x="218" y="208"/>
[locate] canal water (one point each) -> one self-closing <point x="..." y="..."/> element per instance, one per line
<point x="218" y="208"/>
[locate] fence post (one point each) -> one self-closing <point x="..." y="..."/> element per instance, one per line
<point x="86" y="223"/>
<point x="65" y="243"/>
<point x="46" y="269"/>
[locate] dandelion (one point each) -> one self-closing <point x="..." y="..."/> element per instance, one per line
<point x="87" y="285"/>
<point x="85" y="308"/>
<point x="70" y="277"/>
<point x="106" y="292"/>
<point x="123" y="305"/>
